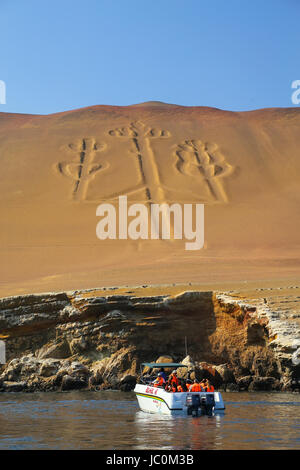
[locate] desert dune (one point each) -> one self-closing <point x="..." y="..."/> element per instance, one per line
<point x="56" y="169"/>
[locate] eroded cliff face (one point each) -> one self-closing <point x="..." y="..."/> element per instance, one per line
<point x="99" y="339"/>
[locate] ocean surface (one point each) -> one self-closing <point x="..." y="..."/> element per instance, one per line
<point x="113" y="421"/>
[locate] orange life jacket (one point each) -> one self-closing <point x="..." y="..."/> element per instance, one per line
<point x="195" y="388"/>
<point x="159" y="382"/>
<point x="179" y="388"/>
<point x="174" y="380"/>
<point x="188" y="386"/>
<point x="210" y="388"/>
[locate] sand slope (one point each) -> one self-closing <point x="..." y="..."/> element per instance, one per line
<point x="56" y="169"/>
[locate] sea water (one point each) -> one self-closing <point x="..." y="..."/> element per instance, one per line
<point x="112" y="420"/>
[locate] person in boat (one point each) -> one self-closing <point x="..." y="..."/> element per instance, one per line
<point x="181" y="387"/>
<point x="171" y="387"/>
<point x="168" y="387"/>
<point x="196" y="387"/>
<point x="174" y="379"/>
<point x="203" y="384"/>
<point x="209" y="387"/>
<point x="189" y="383"/>
<point x="159" y="381"/>
<point x="164" y="375"/>
<point x="183" y="384"/>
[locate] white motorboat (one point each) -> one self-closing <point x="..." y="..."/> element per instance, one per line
<point x="157" y="400"/>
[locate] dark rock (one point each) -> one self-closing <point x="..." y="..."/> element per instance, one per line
<point x="127" y="383"/>
<point x="14" y="386"/>
<point x="197" y="373"/>
<point x="232" y="387"/>
<point x="264" y="366"/>
<point x="126" y="387"/>
<point x="241" y="371"/>
<point x="96" y="379"/>
<point x="256" y="334"/>
<point x="57" y="380"/>
<point x="13" y="371"/>
<point x="59" y="350"/>
<point x="244" y="382"/>
<point x="72" y="383"/>
<point x="79" y="345"/>
<point x="225" y="373"/>
<point x="79" y="370"/>
<point x="264" y="384"/>
<point x="215" y="379"/>
<point x="48" y="369"/>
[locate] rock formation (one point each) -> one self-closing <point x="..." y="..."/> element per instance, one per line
<point x="98" y="339"/>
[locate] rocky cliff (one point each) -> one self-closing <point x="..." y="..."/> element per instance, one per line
<point x="99" y="338"/>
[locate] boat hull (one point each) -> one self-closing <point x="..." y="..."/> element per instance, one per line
<point x="157" y="400"/>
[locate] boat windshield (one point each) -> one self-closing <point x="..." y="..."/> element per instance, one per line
<point x="148" y="378"/>
<point x="167" y="365"/>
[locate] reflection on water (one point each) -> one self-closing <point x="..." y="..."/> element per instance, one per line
<point x="177" y="432"/>
<point x="112" y="420"/>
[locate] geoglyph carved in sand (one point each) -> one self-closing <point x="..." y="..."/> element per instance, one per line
<point x="141" y="135"/>
<point x="83" y="169"/>
<point x="201" y="161"/>
<point x="194" y="156"/>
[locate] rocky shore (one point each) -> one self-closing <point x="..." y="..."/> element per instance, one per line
<point x="97" y="339"/>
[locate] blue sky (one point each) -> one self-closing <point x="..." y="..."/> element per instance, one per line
<point x="64" y="54"/>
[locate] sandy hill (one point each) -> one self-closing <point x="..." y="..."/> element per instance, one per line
<point x="56" y="169"/>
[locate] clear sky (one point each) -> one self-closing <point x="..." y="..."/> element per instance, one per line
<point x="57" y="55"/>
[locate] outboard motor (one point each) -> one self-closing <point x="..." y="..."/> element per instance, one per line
<point x="193" y="404"/>
<point x="207" y="404"/>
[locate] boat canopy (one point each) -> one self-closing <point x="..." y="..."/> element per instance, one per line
<point x="173" y="365"/>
